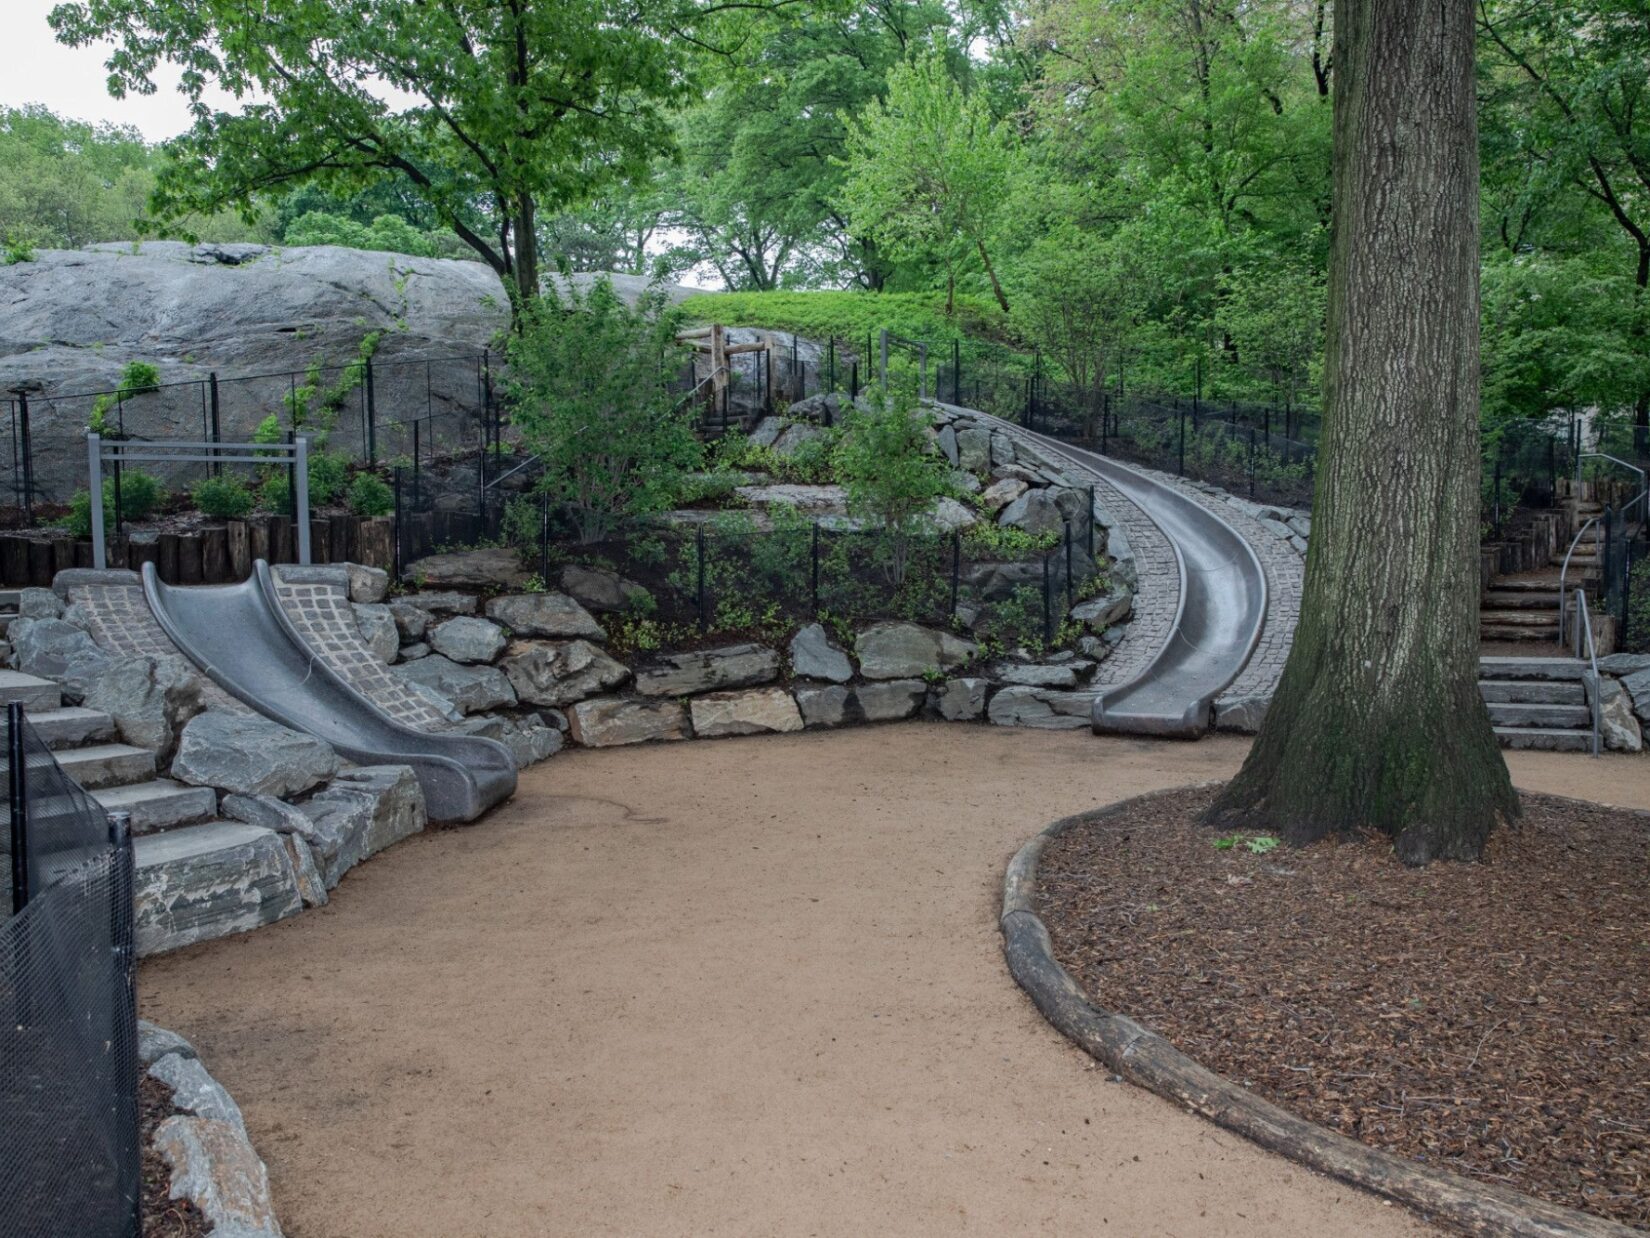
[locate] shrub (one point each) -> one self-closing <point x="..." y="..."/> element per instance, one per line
<point x="328" y="475"/>
<point x="140" y="496"/>
<point x="370" y="495"/>
<point x="275" y="495"/>
<point x="223" y="498"/>
<point x="891" y="476"/>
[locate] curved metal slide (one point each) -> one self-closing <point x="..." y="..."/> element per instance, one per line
<point x="1222" y="609"/>
<point x="238" y="635"/>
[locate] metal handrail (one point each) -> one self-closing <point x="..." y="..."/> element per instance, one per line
<point x="1584" y="623"/>
<point x="1564" y="571"/>
<point x="1644" y="478"/>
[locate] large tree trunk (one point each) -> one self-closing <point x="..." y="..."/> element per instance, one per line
<point x="1378" y="722"/>
<point x="527" y="250"/>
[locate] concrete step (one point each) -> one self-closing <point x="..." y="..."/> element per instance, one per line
<point x="1528" y="714"/>
<point x="32" y="693"/>
<point x="1544" y="583"/>
<point x="71" y="726"/>
<point x="210" y="880"/>
<point x="1532" y="692"/>
<point x="160" y="804"/>
<point x="1540" y="740"/>
<point x="1529" y="618"/>
<point x="1520" y="599"/>
<point x="107" y="765"/>
<point x="1530" y="668"/>
<point x="11" y="599"/>
<point x="1513" y="632"/>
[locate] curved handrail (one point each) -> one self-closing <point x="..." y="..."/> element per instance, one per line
<point x="1584" y="622"/>
<point x="1644" y="478"/>
<point x="1564" y="571"/>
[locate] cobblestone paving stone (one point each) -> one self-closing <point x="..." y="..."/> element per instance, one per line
<point x="122" y="623"/>
<point x="322" y="616"/>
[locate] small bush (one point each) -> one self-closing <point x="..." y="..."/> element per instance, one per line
<point x="370" y="495"/>
<point x="18" y="248"/>
<point x="275" y="495"/>
<point x="223" y="498"/>
<point x="140" y="496"/>
<point x="328" y="475"/>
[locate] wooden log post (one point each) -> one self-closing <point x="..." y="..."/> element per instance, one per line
<point x="40" y="564"/>
<point x="191" y="569"/>
<point x="142" y="548"/>
<point x="215" y="564"/>
<point x="258" y="539"/>
<point x="166" y="558"/>
<point x="280" y="539"/>
<point x="238" y="545"/>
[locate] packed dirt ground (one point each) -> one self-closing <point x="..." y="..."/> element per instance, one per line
<point x="750" y="986"/>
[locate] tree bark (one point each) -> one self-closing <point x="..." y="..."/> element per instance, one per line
<point x="527" y="250"/>
<point x="996" y="288"/>
<point x="1377" y="722"/>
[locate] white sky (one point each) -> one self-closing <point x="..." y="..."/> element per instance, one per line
<point x="71" y="80"/>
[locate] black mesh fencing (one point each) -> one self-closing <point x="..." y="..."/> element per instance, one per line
<point x="70" y="1160"/>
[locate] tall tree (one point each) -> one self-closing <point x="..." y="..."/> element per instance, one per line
<point x="1377" y="722"/>
<point x="498" y="103"/>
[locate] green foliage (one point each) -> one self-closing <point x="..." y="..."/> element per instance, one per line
<point x="328" y="473"/>
<point x="370" y="495"/>
<point x="1255" y="844"/>
<point x="386" y="232"/>
<point x="18" y="247"/>
<point x="135" y="378"/>
<point x="591" y="387"/>
<point x="1638" y="609"/>
<point x="223" y="498"/>
<point x="140" y="497"/>
<point x="891" y="475"/>
<point x="853" y="317"/>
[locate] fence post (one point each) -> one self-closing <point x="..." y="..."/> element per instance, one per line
<point x="300" y="467"/>
<point x="956" y="567"/>
<point x="884" y="359"/>
<point x="544" y="539"/>
<point x="1071" y="595"/>
<point x="956" y="371"/>
<point x="122" y="936"/>
<point x="1048" y="601"/>
<point x="1091" y="523"/>
<point x="28" y="457"/>
<point x="1105" y="422"/>
<point x="94" y="474"/>
<point x="853" y="380"/>
<point x="372" y="417"/>
<point x="415" y="453"/>
<point x="699" y="550"/>
<point x="1180" y="416"/>
<point x="1497" y="484"/>
<point x="1251" y="462"/>
<point x="814" y="551"/>
<point x="830" y="364"/>
<point x="217" y="428"/>
<point x="922" y="372"/>
<point x="19" y="806"/>
<point x="395" y="555"/>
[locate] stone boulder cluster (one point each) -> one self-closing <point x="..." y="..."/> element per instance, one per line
<point x="1624" y="700"/>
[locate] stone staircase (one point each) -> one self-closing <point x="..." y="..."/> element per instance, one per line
<point x="1523" y="606"/>
<point x="1537" y="703"/>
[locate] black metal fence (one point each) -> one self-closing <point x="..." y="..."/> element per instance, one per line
<point x="70" y="1160"/>
<point x="372" y="411"/>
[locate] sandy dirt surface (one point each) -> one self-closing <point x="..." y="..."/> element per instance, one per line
<point x="744" y="987"/>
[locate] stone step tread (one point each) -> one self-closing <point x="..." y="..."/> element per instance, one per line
<point x="1526" y="617"/>
<point x="1532" y="692"/>
<point x="107" y="765"/>
<point x="1534" y="636"/>
<point x="1540" y="714"/>
<point x="1516" y="584"/>
<point x="1545" y="740"/>
<point x="71" y="724"/>
<point x="1503" y="668"/>
<point x="32" y="692"/>
<point x="159" y="804"/>
<point x="1521" y="599"/>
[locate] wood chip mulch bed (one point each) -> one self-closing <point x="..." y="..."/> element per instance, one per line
<point x="162" y="1217"/>
<point x="1492" y="1019"/>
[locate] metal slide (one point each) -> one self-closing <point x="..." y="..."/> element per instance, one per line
<point x="238" y="635"/>
<point x="1222" y="609"/>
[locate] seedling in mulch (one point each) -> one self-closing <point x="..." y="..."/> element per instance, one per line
<point x="1255" y="844"/>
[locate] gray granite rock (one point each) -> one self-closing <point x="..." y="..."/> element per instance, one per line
<point x="545" y="614"/>
<point x="961" y="700"/>
<point x="1637" y="684"/>
<point x="974" y="449"/>
<point x="900" y="650"/>
<point x="411" y="621"/>
<point x="1624" y="663"/>
<point x="531" y="744"/>
<point x="268" y="811"/>
<point x="194" y="1091"/>
<point x="155" y="1042"/>
<point x="746" y="712"/>
<point x="547" y="673"/>
<point x="602" y="592"/>
<point x="215" y="1167"/>
<point x="378" y="629"/>
<point x="306" y="871"/>
<point x="823" y="704"/>
<point x="1003" y="452"/>
<point x="367" y="584"/>
<point x="471" y="689"/>
<point x="1101" y="612"/>
<point x="39" y="604"/>
<point x="487" y="568"/>
<point x="413" y="652"/>
<point x="1035" y="676"/>
<point x="1042" y="708"/>
<point x="704" y="670"/>
<point x="150" y="699"/>
<point x="999" y="494"/>
<point x="606" y="722"/>
<point x="467" y="639"/>
<point x="950" y="516"/>
<point x="890" y="699"/>
<point x="814" y="655"/>
<point x="1241" y="715"/>
<point x="53" y="649"/>
<point x="440" y="602"/>
<point x="1035" y="512"/>
<point x="364" y="810"/>
<point x="206" y="881"/>
<point x="1618" y="728"/>
<point x="248" y="754"/>
<point x="947" y="443"/>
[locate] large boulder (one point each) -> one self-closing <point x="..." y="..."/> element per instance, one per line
<point x="603" y="592"/>
<point x="828" y="408"/>
<point x="150" y="699"/>
<point x="465" y="638"/>
<point x="901" y="650"/>
<point x="379" y="631"/>
<point x="731" y="666"/>
<point x="470" y="689"/>
<point x="823" y="704"/>
<point x="960" y="700"/>
<point x="363" y="811"/>
<point x="1036" y="512"/>
<point x="607" y="722"/>
<point x="1242" y="714"/>
<point x="411" y="622"/>
<point x="1101" y="612"/>
<point x="193" y="1090"/>
<point x="52" y="649"/>
<point x="74" y="318"/>
<point x="826" y="500"/>
<point x="814" y="655"/>
<point x="441" y="602"/>
<point x="999" y="494"/>
<point x="487" y="568"/>
<point x="214" y="1167"/>
<point x="544" y="614"/>
<point x="1618" y="727"/>
<point x="39" y="604"/>
<point x="250" y="755"/>
<point x="547" y="673"/>
<point x="1036" y="676"/>
<point x="1637" y="685"/>
<point x="744" y="713"/>
<point x="974" y="449"/>
<point x="1045" y="708"/>
<point x="890" y="700"/>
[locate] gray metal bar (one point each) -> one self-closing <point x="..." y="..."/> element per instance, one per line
<point x="272" y="449"/>
<point x="301" y="448"/>
<point x="94" y="460"/>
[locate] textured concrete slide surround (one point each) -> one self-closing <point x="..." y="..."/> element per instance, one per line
<point x="120" y="621"/>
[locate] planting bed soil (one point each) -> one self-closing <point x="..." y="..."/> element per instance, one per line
<point x="163" y="1217"/>
<point x="1492" y="1019"/>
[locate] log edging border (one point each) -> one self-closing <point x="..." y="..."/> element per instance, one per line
<point x="1147" y="1060"/>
